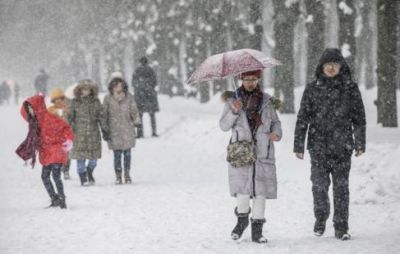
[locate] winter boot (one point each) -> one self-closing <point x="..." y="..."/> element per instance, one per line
<point x="256" y="231"/>
<point x="63" y="205"/>
<point x="66" y="175"/>
<point x="341" y="231"/>
<point x="319" y="227"/>
<point x="55" y="201"/>
<point x="90" y="176"/>
<point x="127" y="176"/>
<point x="242" y="224"/>
<point x="118" y="174"/>
<point x="342" y="235"/>
<point x="83" y="178"/>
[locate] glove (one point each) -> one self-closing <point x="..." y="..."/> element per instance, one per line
<point x="106" y="135"/>
<point x="67" y="145"/>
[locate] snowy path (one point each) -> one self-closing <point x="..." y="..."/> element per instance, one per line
<point x="179" y="202"/>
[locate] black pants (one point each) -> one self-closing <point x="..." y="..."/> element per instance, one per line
<point x="118" y="158"/>
<point x="153" y="124"/>
<point x="66" y="167"/>
<point x="55" y="171"/>
<point x="322" y="167"/>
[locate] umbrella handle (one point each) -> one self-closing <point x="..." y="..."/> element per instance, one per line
<point x="236" y="89"/>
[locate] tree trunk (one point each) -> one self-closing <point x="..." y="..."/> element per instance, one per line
<point x="285" y="21"/>
<point x="315" y="39"/>
<point x="347" y="40"/>
<point x="387" y="42"/>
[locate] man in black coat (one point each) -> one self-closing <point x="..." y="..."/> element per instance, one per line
<point x="332" y="114"/>
<point x="41" y="81"/>
<point x="144" y="82"/>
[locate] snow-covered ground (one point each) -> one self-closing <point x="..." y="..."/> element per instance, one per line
<point x="179" y="202"/>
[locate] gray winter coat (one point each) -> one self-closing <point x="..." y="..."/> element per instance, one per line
<point x="258" y="179"/>
<point x="120" y="121"/>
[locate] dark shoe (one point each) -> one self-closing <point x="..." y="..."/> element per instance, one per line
<point x="55" y="201"/>
<point x="90" y="176"/>
<point x="118" y="174"/>
<point x="155" y="135"/>
<point x="63" y="205"/>
<point x="256" y="231"/>
<point x="127" y="177"/>
<point x="319" y="227"/>
<point x="241" y="225"/>
<point x="342" y="235"/>
<point x="83" y="178"/>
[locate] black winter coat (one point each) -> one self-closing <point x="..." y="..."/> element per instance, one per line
<point x="144" y="82"/>
<point x="331" y="112"/>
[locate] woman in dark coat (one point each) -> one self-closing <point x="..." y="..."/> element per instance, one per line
<point x="332" y="113"/>
<point x="144" y="82"/>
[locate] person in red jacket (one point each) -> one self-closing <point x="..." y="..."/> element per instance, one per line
<point x="52" y="138"/>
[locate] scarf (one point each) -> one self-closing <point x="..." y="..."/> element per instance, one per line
<point x="29" y="147"/>
<point x="252" y="103"/>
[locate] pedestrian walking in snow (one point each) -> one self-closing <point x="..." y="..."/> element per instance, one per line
<point x="17" y="92"/>
<point x="52" y="138"/>
<point x="86" y="120"/>
<point x="5" y="93"/>
<point x="250" y="115"/>
<point x="332" y="115"/>
<point x="41" y="82"/>
<point x="144" y="82"/>
<point x="59" y="108"/>
<point x="121" y="113"/>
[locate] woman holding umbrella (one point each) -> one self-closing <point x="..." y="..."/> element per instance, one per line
<point x="250" y="115"/>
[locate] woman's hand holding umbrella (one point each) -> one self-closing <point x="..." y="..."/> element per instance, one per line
<point x="236" y="106"/>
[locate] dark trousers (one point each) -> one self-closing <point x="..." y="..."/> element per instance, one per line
<point x="322" y="167"/>
<point x="118" y="159"/>
<point x="66" y="167"/>
<point x="55" y="171"/>
<point x="153" y="124"/>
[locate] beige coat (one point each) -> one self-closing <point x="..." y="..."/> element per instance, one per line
<point x="120" y="116"/>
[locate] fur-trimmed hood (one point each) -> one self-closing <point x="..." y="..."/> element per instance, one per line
<point x="86" y="83"/>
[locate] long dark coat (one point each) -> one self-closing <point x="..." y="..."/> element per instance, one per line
<point x="144" y="82"/>
<point x="331" y="112"/>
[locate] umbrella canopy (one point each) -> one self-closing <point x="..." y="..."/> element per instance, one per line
<point x="231" y="63"/>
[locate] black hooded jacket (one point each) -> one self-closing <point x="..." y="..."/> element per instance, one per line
<point x="331" y="111"/>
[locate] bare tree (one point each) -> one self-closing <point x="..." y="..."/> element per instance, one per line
<point x="347" y="41"/>
<point x="315" y="23"/>
<point x="286" y="16"/>
<point x="387" y="43"/>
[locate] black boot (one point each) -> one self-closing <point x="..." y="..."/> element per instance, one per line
<point x="83" y="178"/>
<point x="55" y="201"/>
<point x="127" y="176"/>
<point x="90" y="175"/>
<point x="118" y="175"/>
<point x="256" y="231"/>
<point x="63" y="205"/>
<point x="319" y="227"/>
<point x="341" y="231"/>
<point x="242" y="224"/>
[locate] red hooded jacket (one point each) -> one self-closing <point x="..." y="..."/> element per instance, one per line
<point x="53" y="132"/>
